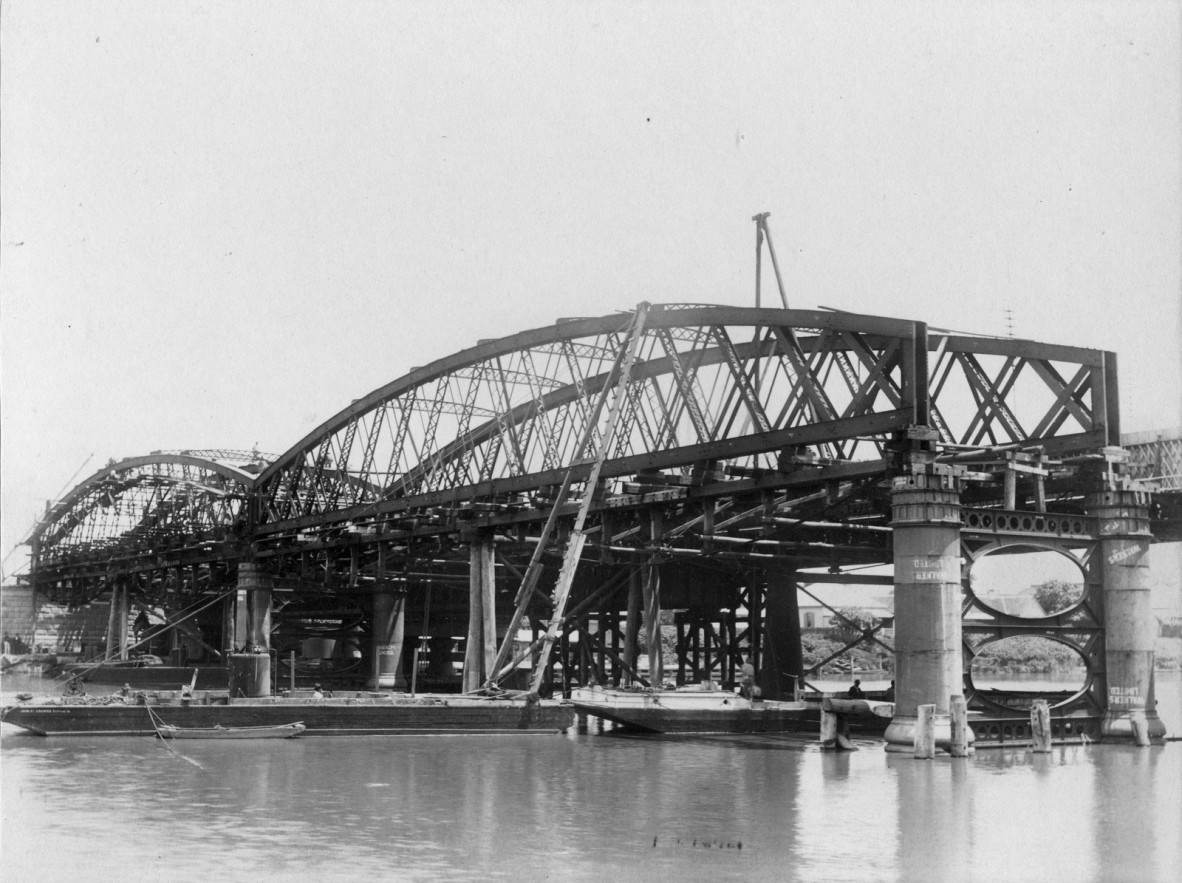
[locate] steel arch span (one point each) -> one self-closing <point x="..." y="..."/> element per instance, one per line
<point x="733" y="389"/>
<point x="140" y="509"/>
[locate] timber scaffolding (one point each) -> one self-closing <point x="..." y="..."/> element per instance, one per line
<point x="572" y="482"/>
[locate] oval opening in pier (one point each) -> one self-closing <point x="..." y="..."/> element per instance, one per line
<point x="1015" y="671"/>
<point x="1027" y="581"/>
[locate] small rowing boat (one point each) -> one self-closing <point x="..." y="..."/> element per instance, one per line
<point x="279" y="731"/>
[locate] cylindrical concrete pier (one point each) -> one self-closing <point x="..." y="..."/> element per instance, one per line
<point x="249" y="675"/>
<point x="1121" y="564"/>
<point x="928" y="656"/>
<point x="389" y="628"/>
<point x="258" y="594"/>
<point x="250" y="672"/>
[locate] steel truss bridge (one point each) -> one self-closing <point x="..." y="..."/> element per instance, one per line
<point x="709" y="444"/>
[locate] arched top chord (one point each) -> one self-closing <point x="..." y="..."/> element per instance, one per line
<point x="711" y="383"/>
<point x="148" y="501"/>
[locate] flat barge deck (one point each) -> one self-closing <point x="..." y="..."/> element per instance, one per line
<point x="352" y="714"/>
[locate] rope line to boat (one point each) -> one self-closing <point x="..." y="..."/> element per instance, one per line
<point x="153" y="717"/>
<point x="185" y="616"/>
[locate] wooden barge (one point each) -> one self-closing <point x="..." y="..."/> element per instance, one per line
<point x="342" y="714"/>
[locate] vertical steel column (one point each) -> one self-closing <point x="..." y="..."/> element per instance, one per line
<point x="112" y="622"/>
<point x="783" y="658"/>
<point x="240" y="633"/>
<point x="652" y="624"/>
<point x="481" y="648"/>
<point x="755" y="608"/>
<point x="925" y="516"/>
<point x="227" y="642"/>
<point x="121" y="621"/>
<point x="1120" y="567"/>
<point x="176" y="648"/>
<point x="632" y="625"/>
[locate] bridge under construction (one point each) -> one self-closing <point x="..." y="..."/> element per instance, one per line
<point x="522" y="512"/>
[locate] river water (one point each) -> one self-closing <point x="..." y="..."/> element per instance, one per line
<point x="584" y="806"/>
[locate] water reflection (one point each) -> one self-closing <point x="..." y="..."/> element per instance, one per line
<point x="1138" y="830"/>
<point x="583" y="807"/>
<point x="925" y="804"/>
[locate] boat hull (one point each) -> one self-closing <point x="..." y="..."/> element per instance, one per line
<point x="279" y="731"/>
<point x="695" y="712"/>
<point x="330" y="717"/>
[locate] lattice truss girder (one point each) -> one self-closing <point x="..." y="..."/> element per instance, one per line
<point x="1158" y="460"/>
<point x="147" y="501"/>
<point x="988" y="392"/>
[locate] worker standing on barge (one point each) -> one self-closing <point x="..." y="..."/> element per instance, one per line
<point x="747" y="680"/>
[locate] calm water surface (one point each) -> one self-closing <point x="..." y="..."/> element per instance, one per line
<point x="585" y="806"/>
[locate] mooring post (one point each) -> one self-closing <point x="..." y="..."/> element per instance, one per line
<point x="1140" y="729"/>
<point x="1040" y="726"/>
<point x="959" y="743"/>
<point x="925" y="732"/>
<point x="925" y="519"/>
<point x="828" y="730"/>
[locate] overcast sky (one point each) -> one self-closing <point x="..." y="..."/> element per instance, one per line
<point x="220" y="223"/>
